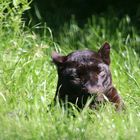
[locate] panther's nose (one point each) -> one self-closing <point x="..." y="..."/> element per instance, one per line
<point x="93" y="89"/>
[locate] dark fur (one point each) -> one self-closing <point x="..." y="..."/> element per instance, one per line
<point x="83" y="74"/>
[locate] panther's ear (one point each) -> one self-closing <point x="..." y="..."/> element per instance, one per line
<point x="58" y="59"/>
<point x="104" y="53"/>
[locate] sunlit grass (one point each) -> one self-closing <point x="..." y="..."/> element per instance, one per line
<point x="28" y="82"/>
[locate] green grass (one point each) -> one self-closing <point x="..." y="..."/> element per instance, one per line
<point x="28" y="81"/>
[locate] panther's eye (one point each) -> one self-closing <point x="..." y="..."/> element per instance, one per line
<point x="69" y="73"/>
<point x="97" y="69"/>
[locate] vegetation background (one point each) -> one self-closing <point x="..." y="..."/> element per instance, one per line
<point x="29" y="31"/>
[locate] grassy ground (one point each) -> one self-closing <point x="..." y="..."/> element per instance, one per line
<point x="28" y="81"/>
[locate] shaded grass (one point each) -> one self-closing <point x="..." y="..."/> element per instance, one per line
<point x="28" y="83"/>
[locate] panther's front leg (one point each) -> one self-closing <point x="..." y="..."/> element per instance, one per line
<point x="114" y="97"/>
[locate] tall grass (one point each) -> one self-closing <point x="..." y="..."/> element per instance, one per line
<point x="28" y="79"/>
